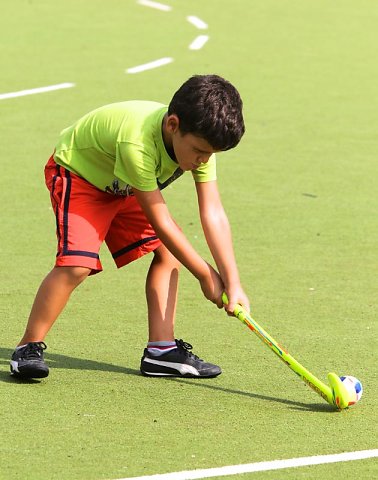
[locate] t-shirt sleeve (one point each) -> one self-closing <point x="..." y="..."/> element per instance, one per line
<point x="206" y="172"/>
<point x="135" y="167"/>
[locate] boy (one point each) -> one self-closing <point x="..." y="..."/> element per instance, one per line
<point x="105" y="180"/>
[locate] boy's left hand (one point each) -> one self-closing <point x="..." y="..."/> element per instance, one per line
<point x="236" y="295"/>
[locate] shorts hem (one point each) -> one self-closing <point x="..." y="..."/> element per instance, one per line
<point x="94" y="265"/>
<point x="137" y="253"/>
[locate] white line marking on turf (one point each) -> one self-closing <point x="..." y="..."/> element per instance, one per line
<point x="32" y="91"/>
<point x="196" y="44"/>
<point x="150" y="65"/>
<point x="260" y="466"/>
<point x="197" y="22"/>
<point x="157" y="5"/>
<point x="199" y="42"/>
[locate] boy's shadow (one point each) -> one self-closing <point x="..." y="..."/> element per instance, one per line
<point x="63" y="361"/>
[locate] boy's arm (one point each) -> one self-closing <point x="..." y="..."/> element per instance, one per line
<point x="169" y="233"/>
<point x="218" y="236"/>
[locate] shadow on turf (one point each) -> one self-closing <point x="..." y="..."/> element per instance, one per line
<point x="63" y="361"/>
<point x="313" y="407"/>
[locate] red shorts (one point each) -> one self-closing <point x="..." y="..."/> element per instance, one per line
<point x="86" y="216"/>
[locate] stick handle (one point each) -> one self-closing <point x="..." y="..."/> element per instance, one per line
<point x="321" y="388"/>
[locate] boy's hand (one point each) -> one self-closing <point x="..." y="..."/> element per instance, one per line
<point x="212" y="286"/>
<point x="235" y="296"/>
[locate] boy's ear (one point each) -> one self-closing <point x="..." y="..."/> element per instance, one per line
<point x="173" y="123"/>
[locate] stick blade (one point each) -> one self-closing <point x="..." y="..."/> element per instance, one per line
<point x="340" y="393"/>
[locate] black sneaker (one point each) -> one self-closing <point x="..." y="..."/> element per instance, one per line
<point x="180" y="362"/>
<point x="27" y="362"/>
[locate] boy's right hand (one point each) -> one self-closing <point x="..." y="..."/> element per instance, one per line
<point x="212" y="286"/>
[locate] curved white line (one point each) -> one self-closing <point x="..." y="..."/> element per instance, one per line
<point x="157" y="5"/>
<point x="199" y="42"/>
<point x="196" y="44"/>
<point x="150" y="65"/>
<point x="32" y="91"/>
<point x="197" y="22"/>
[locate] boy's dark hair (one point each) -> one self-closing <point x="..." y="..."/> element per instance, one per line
<point x="210" y="107"/>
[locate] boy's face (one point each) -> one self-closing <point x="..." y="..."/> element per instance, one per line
<point x="190" y="151"/>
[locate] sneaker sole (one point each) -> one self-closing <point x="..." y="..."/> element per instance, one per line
<point x="151" y="374"/>
<point x="21" y="372"/>
<point x="156" y="368"/>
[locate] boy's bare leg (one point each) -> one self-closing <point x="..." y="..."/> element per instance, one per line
<point x="161" y="292"/>
<point x="175" y="357"/>
<point x="51" y="298"/>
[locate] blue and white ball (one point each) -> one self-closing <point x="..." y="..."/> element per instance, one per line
<point x="354" y="388"/>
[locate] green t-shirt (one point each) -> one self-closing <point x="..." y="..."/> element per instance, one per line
<point x="121" y="145"/>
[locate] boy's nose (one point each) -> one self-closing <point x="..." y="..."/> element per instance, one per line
<point x="203" y="159"/>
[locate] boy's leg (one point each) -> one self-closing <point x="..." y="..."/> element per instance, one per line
<point x="165" y="356"/>
<point x="51" y="298"/>
<point x="27" y="360"/>
<point x="83" y="216"/>
<point x="129" y="238"/>
<point x="161" y="293"/>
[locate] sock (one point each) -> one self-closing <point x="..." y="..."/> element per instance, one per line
<point x="158" y="348"/>
<point x="21" y="346"/>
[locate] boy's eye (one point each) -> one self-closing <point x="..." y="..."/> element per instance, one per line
<point x="201" y="152"/>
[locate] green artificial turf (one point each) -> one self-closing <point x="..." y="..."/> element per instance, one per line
<point x="301" y="194"/>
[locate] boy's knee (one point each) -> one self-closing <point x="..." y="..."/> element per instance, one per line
<point x="162" y="254"/>
<point x="74" y="275"/>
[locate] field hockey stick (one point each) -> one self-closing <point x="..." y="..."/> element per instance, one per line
<point x="335" y="394"/>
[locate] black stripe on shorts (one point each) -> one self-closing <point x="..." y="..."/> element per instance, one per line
<point x="133" y="246"/>
<point x="79" y="253"/>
